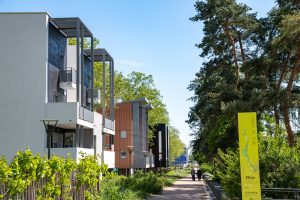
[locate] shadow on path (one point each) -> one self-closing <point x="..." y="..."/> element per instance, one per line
<point x="185" y="188"/>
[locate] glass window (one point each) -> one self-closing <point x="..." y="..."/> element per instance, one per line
<point x="123" y="134"/>
<point x="123" y="154"/>
<point x="69" y="140"/>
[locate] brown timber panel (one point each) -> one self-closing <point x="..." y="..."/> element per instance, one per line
<point x="123" y="120"/>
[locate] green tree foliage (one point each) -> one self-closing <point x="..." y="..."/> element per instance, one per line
<point x="137" y="85"/>
<point x="222" y="85"/>
<point x="142" y="85"/>
<point x="251" y="64"/>
<point x="285" y="51"/>
<point x="133" y="86"/>
<point x="176" y="146"/>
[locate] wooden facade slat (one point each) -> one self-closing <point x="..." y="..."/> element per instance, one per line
<point x="123" y="114"/>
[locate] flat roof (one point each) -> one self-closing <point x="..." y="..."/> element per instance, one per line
<point x="98" y="54"/>
<point x="148" y="106"/>
<point x="25" y="13"/>
<point x="69" y="26"/>
<point x="144" y="101"/>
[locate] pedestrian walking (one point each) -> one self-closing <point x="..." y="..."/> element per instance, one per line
<point x="199" y="174"/>
<point x="193" y="173"/>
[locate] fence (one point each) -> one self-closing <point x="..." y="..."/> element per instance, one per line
<point x="267" y="193"/>
<point x="40" y="187"/>
<point x="280" y="193"/>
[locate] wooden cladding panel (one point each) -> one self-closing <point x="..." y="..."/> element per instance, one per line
<point x="123" y="122"/>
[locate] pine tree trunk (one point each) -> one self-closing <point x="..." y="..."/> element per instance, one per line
<point x="234" y="53"/>
<point x="243" y="55"/>
<point x="278" y="86"/>
<point x="288" y="128"/>
<point x="294" y="72"/>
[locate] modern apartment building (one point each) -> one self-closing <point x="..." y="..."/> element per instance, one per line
<point x="47" y="90"/>
<point x="131" y="139"/>
<point x="160" y="146"/>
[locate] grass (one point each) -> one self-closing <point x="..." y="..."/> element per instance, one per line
<point x="172" y="175"/>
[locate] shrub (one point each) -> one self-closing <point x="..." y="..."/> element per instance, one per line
<point x="279" y="166"/>
<point x="228" y="172"/>
<point x="205" y="167"/>
<point x="112" y="188"/>
<point x="279" y="163"/>
<point x="51" y="178"/>
<point x="145" y="183"/>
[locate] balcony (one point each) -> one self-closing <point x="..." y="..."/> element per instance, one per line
<point x="109" y="124"/>
<point x="67" y="79"/>
<point x="86" y="114"/>
<point x="74" y="152"/>
<point x="69" y="114"/>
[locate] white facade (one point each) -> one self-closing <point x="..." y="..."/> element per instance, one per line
<point x="23" y="82"/>
<point x="24" y="101"/>
<point x="109" y="158"/>
<point x="71" y="63"/>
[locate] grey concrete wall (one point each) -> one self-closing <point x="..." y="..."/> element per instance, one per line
<point x="136" y="127"/>
<point x="23" y="82"/>
<point x="139" y="117"/>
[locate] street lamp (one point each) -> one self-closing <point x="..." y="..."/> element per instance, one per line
<point x="160" y="159"/>
<point x="145" y="156"/>
<point x="47" y="123"/>
<point x="130" y="150"/>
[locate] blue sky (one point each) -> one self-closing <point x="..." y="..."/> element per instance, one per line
<point x="151" y="36"/>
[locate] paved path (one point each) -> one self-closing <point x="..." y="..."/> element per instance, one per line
<point x="185" y="189"/>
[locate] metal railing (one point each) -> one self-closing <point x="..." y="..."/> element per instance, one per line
<point x="109" y="124"/>
<point x="86" y="114"/>
<point x="67" y="75"/>
<point x="280" y="193"/>
<point x="267" y="193"/>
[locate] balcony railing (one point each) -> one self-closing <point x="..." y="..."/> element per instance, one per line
<point x="68" y="75"/>
<point x="109" y="124"/>
<point x="86" y="114"/>
<point x="67" y="78"/>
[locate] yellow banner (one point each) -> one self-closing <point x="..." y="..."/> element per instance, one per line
<point x="249" y="156"/>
